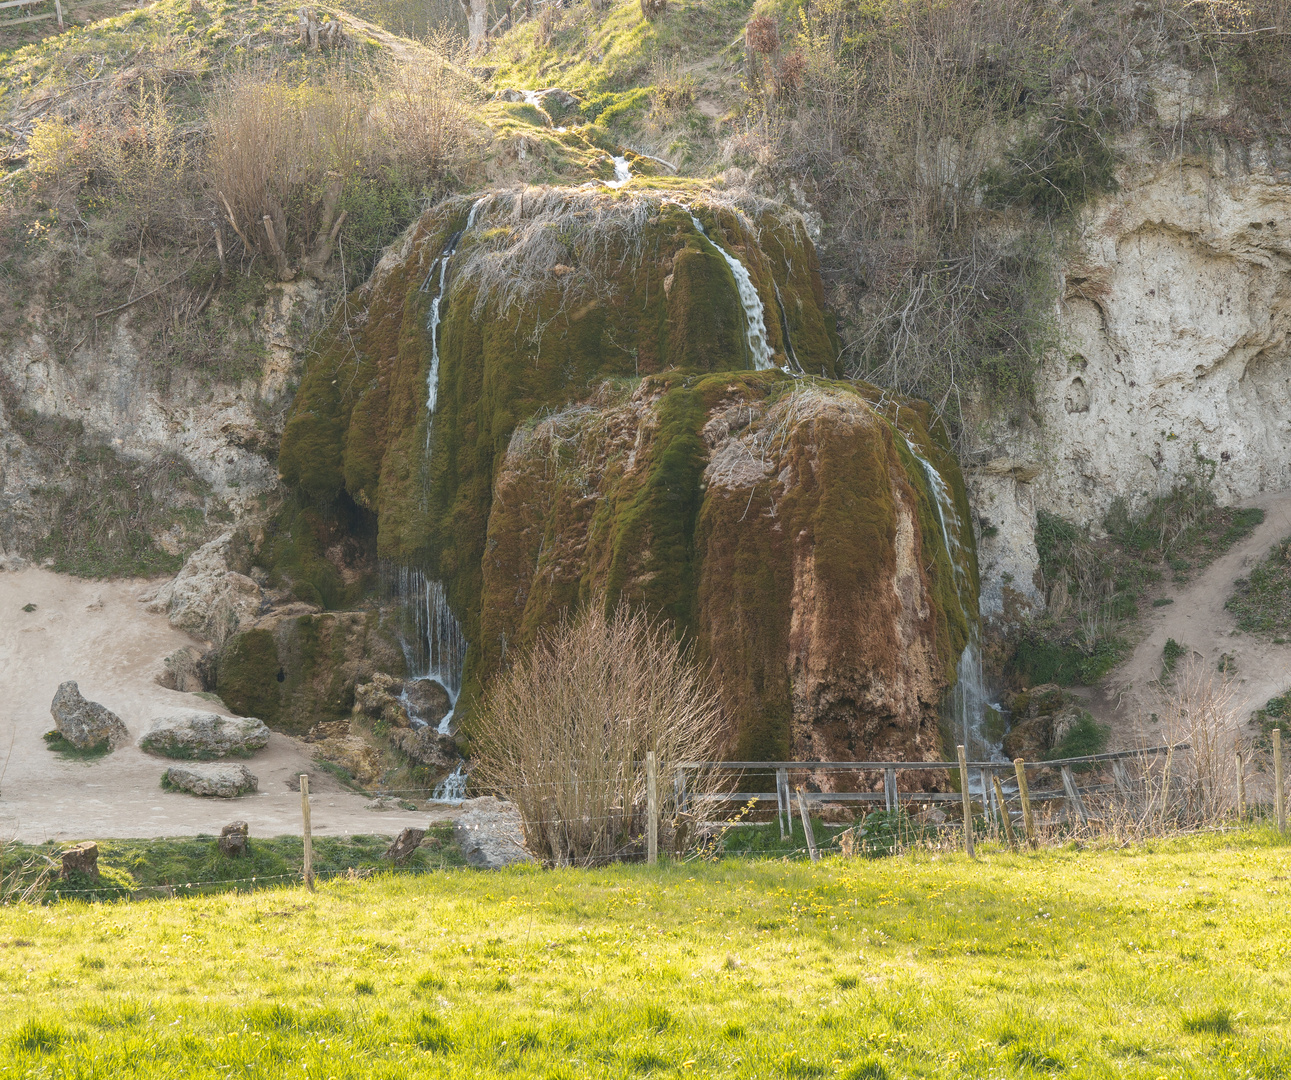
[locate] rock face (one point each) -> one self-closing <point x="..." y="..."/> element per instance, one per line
<point x="191" y="735"/>
<point x="85" y="724"/>
<point x="809" y="562"/>
<point x="207" y="597"/>
<point x="488" y="831"/>
<point x="182" y="671"/>
<point x="223" y="780"/>
<point x="1175" y="361"/>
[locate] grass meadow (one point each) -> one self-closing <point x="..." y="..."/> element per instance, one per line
<point x="1168" y="959"/>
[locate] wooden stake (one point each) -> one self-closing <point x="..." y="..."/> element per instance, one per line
<point x="58" y="10"/>
<point x="1241" y="787"/>
<point x="968" y="802"/>
<point x="1004" y="811"/>
<point x="806" y="827"/>
<point x="1020" y="767"/>
<point x="309" y="838"/>
<point x="652" y="808"/>
<point x="890" y="800"/>
<point x="1073" y="794"/>
<point x="1277" y="780"/>
<point x="1122" y="780"/>
<point x="783" y="808"/>
<point x="988" y="803"/>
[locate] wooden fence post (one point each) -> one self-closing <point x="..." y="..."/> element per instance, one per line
<point x="309" y="838"/>
<point x="1020" y="767"/>
<point x="890" y="799"/>
<point x="1277" y="780"/>
<point x="784" y="809"/>
<point x="1004" y="810"/>
<point x="1073" y="794"/>
<point x="652" y="808"/>
<point x="1122" y="780"/>
<point x="1241" y="787"/>
<point x="58" y="10"/>
<point x="806" y="827"/>
<point x="968" y="801"/>
<point x="988" y="804"/>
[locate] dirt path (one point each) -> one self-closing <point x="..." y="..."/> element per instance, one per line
<point x="98" y="633"/>
<point x="1197" y="619"/>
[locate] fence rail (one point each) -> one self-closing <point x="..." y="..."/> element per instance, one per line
<point x="57" y="13"/>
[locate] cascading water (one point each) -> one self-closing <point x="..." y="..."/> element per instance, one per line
<point x="433" y="645"/>
<point x="432" y="319"/>
<point x="754" y="319"/>
<point x="970" y="699"/>
<point x="622" y="173"/>
<point x="452" y="789"/>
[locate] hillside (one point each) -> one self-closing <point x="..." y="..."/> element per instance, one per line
<point x="1135" y="963"/>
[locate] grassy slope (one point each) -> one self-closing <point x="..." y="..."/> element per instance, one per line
<point x="1164" y="961"/>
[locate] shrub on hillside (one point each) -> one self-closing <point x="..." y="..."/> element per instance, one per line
<point x="565" y="731"/>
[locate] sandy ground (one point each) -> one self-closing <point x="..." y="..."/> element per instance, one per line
<point x="98" y="633"/>
<point x="1197" y="619"/>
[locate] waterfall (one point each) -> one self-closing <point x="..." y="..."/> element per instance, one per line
<point x="452" y="789"/>
<point x="622" y="173"/>
<point x="754" y="320"/>
<point x="435" y="649"/>
<point x="970" y="699"/>
<point x="432" y="319"/>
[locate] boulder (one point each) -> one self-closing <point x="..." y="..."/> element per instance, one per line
<point x="233" y="839"/>
<point x="489" y="832"/>
<point x="380" y="699"/>
<point x="81" y="859"/>
<point x="181" y="671"/>
<point x="207" y="597"/>
<point x="189" y="735"/>
<point x="1030" y="738"/>
<point x="85" y="724"/>
<point x="427" y="700"/>
<point x="224" y="780"/>
<point x="404" y="845"/>
<point x="355" y="754"/>
<point x="426" y="746"/>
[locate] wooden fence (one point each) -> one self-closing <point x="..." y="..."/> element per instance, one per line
<point x="57" y="13"/>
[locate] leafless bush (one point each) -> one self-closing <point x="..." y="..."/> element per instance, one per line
<point x="564" y="732"/>
<point x="1200" y="710"/>
<point x="424" y="118"/>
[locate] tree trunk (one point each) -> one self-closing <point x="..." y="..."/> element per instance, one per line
<point x="477" y="23"/>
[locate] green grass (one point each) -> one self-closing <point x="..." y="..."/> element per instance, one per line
<point x="1167" y="960"/>
<point x="1262" y="602"/>
<point x="193" y="865"/>
<point x="56" y="742"/>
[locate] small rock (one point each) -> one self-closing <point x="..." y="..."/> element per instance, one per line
<point x="81" y="859"/>
<point x="488" y="831"/>
<point x="382" y="803"/>
<point x="181" y="671"/>
<point x="85" y="724"/>
<point x="191" y="735"/>
<point x="224" y="780"/>
<point x="233" y="839"/>
<point x="404" y="845"/>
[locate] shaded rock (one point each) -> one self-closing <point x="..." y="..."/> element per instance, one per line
<point x="1031" y="738"/>
<point x="404" y="845"/>
<point x="328" y="729"/>
<point x="355" y="755"/>
<point x="81" y="859"/>
<point x="224" y="780"/>
<point x="489" y="832"/>
<point x="383" y="802"/>
<point x="85" y="724"/>
<point x="427" y="700"/>
<point x="233" y="839"/>
<point x="426" y="746"/>
<point x="380" y="700"/>
<point x="191" y="735"/>
<point x="182" y="671"/>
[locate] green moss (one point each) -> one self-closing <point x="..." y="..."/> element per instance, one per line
<point x="295" y="546"/>
<point x="247" y="676"/>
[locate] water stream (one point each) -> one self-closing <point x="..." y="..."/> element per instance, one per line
<point x="754" y="317"/>
<point x="622" y="173"/>
<point x="434" y="647"/>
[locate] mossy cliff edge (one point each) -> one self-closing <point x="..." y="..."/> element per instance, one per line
<point x="550" y="297"/>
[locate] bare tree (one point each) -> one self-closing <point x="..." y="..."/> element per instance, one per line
<point x="564" y="732"/>
<point x="477" y="24"/>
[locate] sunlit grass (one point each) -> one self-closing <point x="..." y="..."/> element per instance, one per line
<point x="1169" y="960"/>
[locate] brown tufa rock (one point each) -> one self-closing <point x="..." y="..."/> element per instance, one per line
<point x="233" y="839"/>
<point x="85" y="724"/>
<point x="355" y="754"/>
<point x="427" y="700"/>
<point x="405" y="844"/>
<point x="380" y="700"/>
<point x="82" y="859"/>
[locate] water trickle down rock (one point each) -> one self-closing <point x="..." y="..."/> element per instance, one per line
<point x="754" y="319"/>
<point x="432" y="640"/>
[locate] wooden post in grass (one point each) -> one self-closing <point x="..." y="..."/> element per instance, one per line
<point x="1004" y="810"/>
<point x="1073" y="794"/>
<point x="1020" y="767"/>
<point x="58" y="10"/>
<point x="1241" y="787"/>
<point x="1277" y="780"/>
<point x="783" y="808"/>
<point x="309" y="838"/>
<point x="652" y="808"/>
<point x="806" y="827"/>
<point x="968" y="802"/>
<point x="988" y="804"/>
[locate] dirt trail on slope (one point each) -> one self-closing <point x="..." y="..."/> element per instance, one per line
<point x="1198" y="620"/>
<point x="98" y="633"/>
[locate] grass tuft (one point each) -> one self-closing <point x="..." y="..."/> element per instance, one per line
<point x="1214" y="1021"/>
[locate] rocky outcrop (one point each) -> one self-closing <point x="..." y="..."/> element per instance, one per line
<point x="190" y="735"/>
<point x="223" y="781"/>
<point x="207" y="597"/>
<point x="87" y="725"/>
<point x="182" y="671"/>
<point x="792" y="529"/>
<point x="489" y="832"/>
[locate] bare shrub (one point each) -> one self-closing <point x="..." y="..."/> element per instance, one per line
<point x="1201" y="711"/>
<point x="564" y="732"/>
<point x="424" y="119"/>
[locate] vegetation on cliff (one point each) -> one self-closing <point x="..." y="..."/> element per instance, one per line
<point x="1134" y="962"/>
